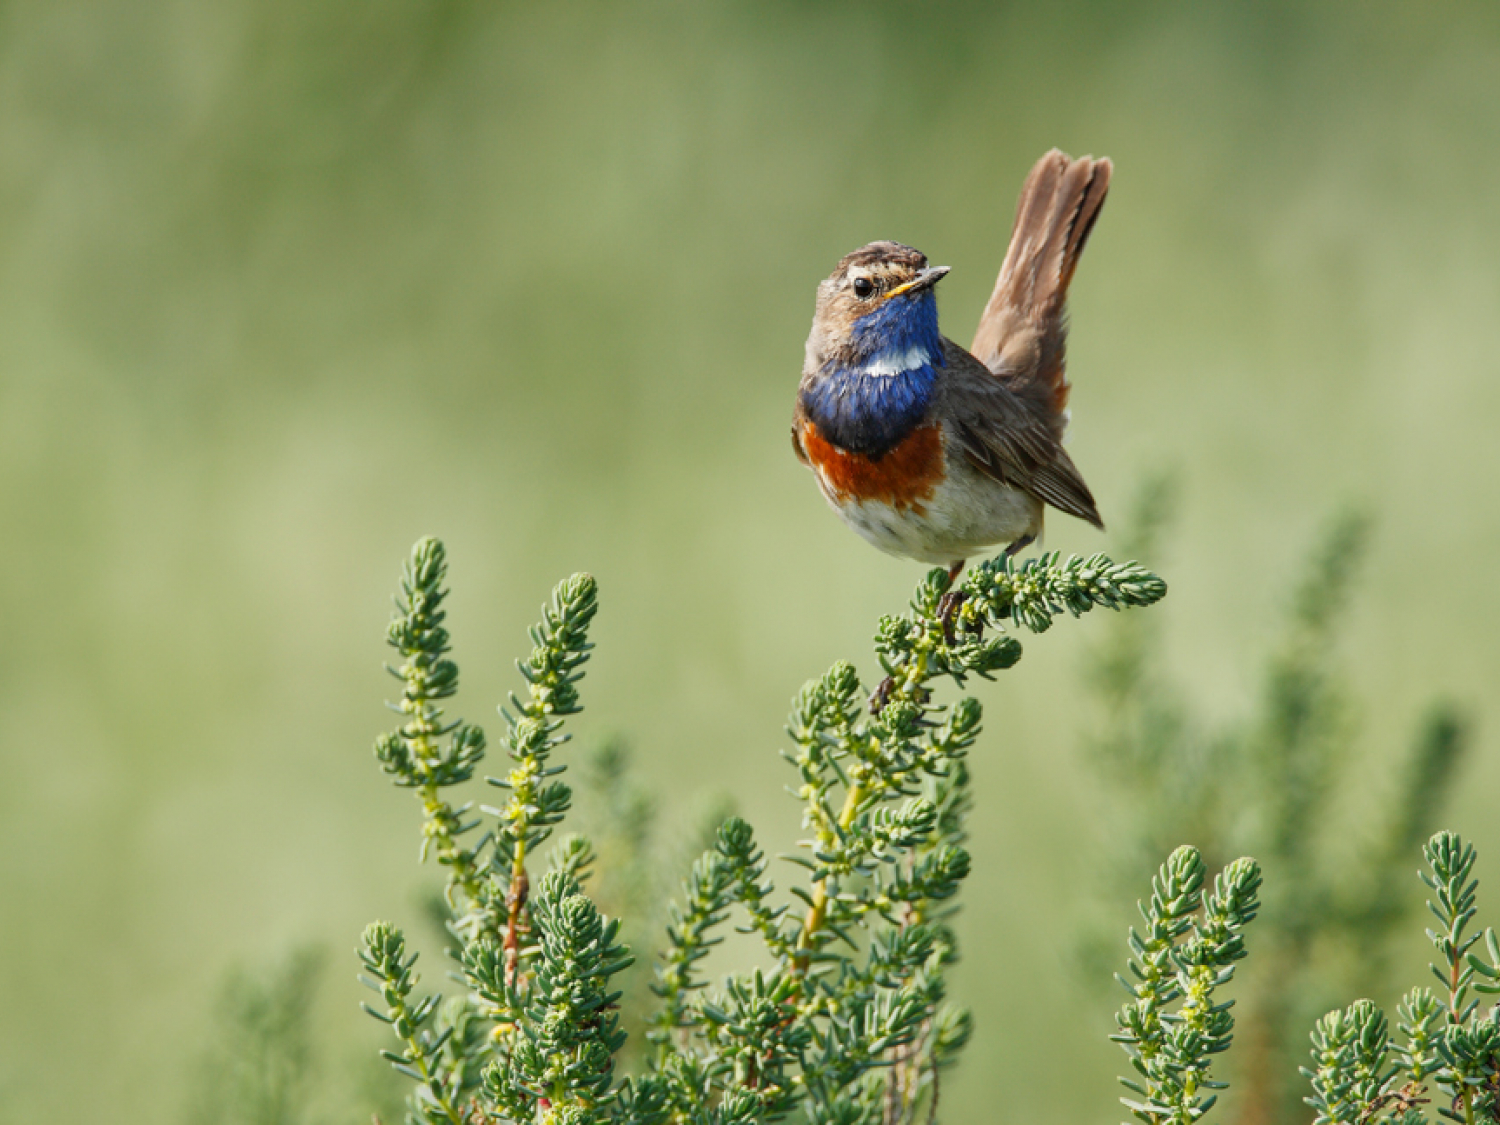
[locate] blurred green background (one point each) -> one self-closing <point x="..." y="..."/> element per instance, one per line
<point x="284" y="286"/>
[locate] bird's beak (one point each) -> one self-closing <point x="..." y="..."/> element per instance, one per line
<point x="924" y="280"/>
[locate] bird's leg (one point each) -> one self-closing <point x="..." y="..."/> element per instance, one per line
<point x="948" y="605"/>
<point x="1019" y="545"/>
<point x="947" y="609"/>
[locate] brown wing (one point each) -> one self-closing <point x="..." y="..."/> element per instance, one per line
<point x="1007" y="437"/>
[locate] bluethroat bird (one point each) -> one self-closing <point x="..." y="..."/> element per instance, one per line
<point x="928" y="451"/>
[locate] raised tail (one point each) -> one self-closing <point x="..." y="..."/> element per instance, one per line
<point x="1023" y="332"/>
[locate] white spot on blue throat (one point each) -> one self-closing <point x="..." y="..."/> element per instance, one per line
<point x="891" y="362"/>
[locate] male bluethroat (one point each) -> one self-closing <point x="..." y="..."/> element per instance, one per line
<point x="926" y="450"/>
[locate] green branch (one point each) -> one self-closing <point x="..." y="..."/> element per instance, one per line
<point x="413" y="754"/>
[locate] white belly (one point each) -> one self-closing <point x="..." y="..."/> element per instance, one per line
<point x="964" y="515"/>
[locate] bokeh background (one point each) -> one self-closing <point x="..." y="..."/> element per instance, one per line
<point x="285" y="285"/>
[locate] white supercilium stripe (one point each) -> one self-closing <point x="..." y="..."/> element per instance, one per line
<point x="888" y="364"/>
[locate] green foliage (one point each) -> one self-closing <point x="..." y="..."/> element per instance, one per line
<point x="413" y="754"/>
<point x="552" y="673"/>
<point x="261" y="1067"/>
<point x="571" y="1030"/>
<point x="1360" y="1075"/>
<point x="272" y="1057"/>
<point x="1269" y="784"/>
<point x="851" y="1021"/>
<point x="1171" y="1027"/>
<point x="1039" y="589"/>
<point x="442" y="1079"/>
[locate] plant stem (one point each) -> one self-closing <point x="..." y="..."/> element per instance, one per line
<point x="1455" y="970"/>
<point x="439" y="816"/>
<point x="515" y="899"/>
<point x="817" y="913"/>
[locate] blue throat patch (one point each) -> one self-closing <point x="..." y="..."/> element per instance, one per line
<point x="872" y="413"/>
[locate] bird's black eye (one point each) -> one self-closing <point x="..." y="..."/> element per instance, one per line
<point x="863" y="287"/>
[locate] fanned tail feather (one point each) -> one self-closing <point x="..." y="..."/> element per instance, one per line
<point x="1023" y="332"/>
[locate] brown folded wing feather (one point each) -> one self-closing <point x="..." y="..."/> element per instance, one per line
<point x="1008" y="437"/>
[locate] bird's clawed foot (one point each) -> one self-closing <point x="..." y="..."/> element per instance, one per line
<point x="950" y="603"/>
<point x="887" y="688"/>
<point x="1019" y="545"/>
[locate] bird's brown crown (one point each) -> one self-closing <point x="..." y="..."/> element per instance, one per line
<point x="868" y="275"/>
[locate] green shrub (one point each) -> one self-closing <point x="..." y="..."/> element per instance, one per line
<point x="851" y="1020"/>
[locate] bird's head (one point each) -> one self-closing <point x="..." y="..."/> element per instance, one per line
<point x="876" y="313"/>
